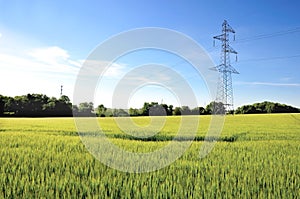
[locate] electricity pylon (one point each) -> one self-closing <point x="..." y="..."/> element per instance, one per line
<point x="224" y="90"/>
<point x="61" y="90"/>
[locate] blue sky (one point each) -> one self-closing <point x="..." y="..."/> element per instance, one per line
<point x="44" y="43"/>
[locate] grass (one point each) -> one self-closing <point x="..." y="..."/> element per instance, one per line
<point x="257" y="156"/>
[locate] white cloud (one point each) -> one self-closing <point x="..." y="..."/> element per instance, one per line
<point x="38" y="70"/>
<point x="47" y="67"/>
<point x="49" y="55"/>
<point x="103" y="68"/>
<point x="286" y="79"/>
<point x="43" y="70"/>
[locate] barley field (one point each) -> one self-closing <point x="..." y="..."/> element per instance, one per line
<point x="257" y="156"/>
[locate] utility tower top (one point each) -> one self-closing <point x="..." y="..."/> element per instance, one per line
<point x="61" y="90"/>
<point x="225" y="91"/>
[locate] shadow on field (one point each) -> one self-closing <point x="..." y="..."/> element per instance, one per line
<point x="155" y="138"/>
<point x="162" y="138"/>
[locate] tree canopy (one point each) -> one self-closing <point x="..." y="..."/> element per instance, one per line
<point x="266" y="107"/>
<point x="35" y="105"/>
<point x="39" y="105"/>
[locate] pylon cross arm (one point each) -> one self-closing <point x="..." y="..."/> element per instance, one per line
<point x="220" y="37"/>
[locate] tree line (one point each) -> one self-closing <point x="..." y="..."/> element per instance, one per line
<point x="35" y="105"/>
<point x="266" y="107"/>
<point x="39" y="105"/>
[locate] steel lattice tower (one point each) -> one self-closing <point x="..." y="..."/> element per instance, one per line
<point x="224" y="90"/>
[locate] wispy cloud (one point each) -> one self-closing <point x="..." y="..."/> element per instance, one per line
<point x="96" y="68"/>
<point x="49" y="55"/>
<point x="269" y="84"/>
<point x="38" y="70"/>
<point x="286" y="79"/>
<point x="46" y="61"/>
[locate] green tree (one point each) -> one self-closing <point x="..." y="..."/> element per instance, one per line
<point x="145" y="109"/>
<point x="49" y="107"/>
<point x="198" y="111"/>
<point x="120" y="113"/>
<point x="177" y="111"/>
<point x="266" y="107"/>
<point x="63" y="106"/>
<point x="37" y="105"/>
<point x="170" y="110"/>
<point x="29" y="105"/>
<point x="9" y="105"/>
<point x="2" y="103"/>
<point x="270" y="107"/>
<point x="185" y="110"/>
<point x="202" y="111"/>
<point x="158" y="110"/>
<point x="65" y="99"/>
<point x="134" y="112"/>
<point x="75" y="109"/>
<point x="86" y="109"/>
<point x="101" y="109"/>
<point x="215" y="108"/>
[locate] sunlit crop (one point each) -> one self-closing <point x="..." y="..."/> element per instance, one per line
<point x="257" y="156"/>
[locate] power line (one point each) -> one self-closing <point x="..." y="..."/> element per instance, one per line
<point x="265" y="36"/>
<point x="269" y="58"/>
<point x="246" y="39"/>
<point x="246" y="60"/>
<point x="260" y="36"/>
<point x="268" y="35"/>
